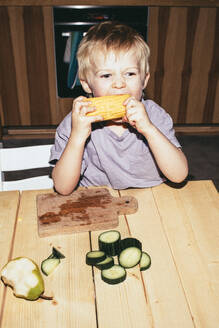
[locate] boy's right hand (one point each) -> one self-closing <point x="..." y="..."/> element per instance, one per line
<point x="81" y="124"/>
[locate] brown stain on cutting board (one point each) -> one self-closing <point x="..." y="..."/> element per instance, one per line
<point x="79" y="206"/>
<point x="84" y="210"/>
<point x="49" y="217"/>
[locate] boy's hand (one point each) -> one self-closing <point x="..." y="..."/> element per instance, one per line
<point x="81" y="124"/>
<point x="136" y="115"/>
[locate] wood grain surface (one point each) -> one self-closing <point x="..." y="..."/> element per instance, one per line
<point x="178" y="227"/>
<point x="9" y="206"/>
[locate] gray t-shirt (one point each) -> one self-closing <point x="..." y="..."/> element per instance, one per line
<point x="118" y="161"/>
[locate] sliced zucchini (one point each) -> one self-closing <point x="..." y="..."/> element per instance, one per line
<point x="145" y="261"/>
<point x="114" y="275"/>
<point x="56" y="254"/>
<point x="109" y="242"/>
<point x="93" y="257"/>
<point x="49" y="264"/>
<point x="130" y="242"/>
<point x="130" y="252"/>
<point x="105" y="264"/>
<point x="130" y="257"/>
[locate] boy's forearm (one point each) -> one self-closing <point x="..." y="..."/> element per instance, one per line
<point x="66" y="173"/>
<point x="170" y="159"/>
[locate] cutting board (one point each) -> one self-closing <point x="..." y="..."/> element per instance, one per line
<point x="86" y="209"/>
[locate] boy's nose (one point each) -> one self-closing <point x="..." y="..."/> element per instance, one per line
<point x="119" y="82"/>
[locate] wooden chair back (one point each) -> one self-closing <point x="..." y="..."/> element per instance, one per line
<point x="25" y="168"/>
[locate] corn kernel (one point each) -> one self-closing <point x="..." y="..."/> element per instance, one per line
<point x="109" y="107"/>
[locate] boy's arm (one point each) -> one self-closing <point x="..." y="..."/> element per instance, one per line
<point x="66" y="173"/>
<point x="170" y="159"/>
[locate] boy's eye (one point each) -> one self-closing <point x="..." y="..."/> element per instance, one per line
<point x="105" y="76"/>
<point x="130" y="73"/>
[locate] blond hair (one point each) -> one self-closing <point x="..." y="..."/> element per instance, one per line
<point x="111" y="36"/>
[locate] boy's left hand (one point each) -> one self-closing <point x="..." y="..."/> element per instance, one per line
<point x="136" y="115"/>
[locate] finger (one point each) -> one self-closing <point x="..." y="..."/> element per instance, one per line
<point x="132" y="123"/>
<point x="128" y="100"/>
<point x="131" y="118"/>
<point x="78" y="100"/>
<point x="86" y="109"/>
<point x="130" y="112"/>
<point x="125" y="119"/>
<point x="82" y="107"/>
<point x="132" y="104"/>
<point x="81" y="98"/>
<point x="97" y="118"/>
<point x="77" y="105"/>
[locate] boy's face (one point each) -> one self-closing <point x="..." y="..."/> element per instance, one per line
<point x="115" y="74"/>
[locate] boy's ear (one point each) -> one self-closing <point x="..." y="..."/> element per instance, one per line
<point x="146" y="80"/>
<point x="85" y="86"/>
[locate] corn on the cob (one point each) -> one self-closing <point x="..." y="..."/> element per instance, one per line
<point x="109" y="107"/>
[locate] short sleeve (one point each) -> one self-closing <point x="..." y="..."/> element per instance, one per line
<point x="162" y="120"/>
<point x="61" y="138"/>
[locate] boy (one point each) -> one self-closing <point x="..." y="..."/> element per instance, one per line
<point x="140" y="150"/>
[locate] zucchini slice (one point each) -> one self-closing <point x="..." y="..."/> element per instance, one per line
<point x="113" y="275"/>
<point x="130" y="242"/>
<point x="93" y="257"/>
<point x="56" y="254"/>
<point x="130" y="254"/>
<point x="109" y="242"/>
<point x="105" y="264"/>
<point x="130" y="257"/>
<point x="145" y="261"/>
<point x="49" y="264"/>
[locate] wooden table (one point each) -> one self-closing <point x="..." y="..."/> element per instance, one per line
<point x="179" y="228"/>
